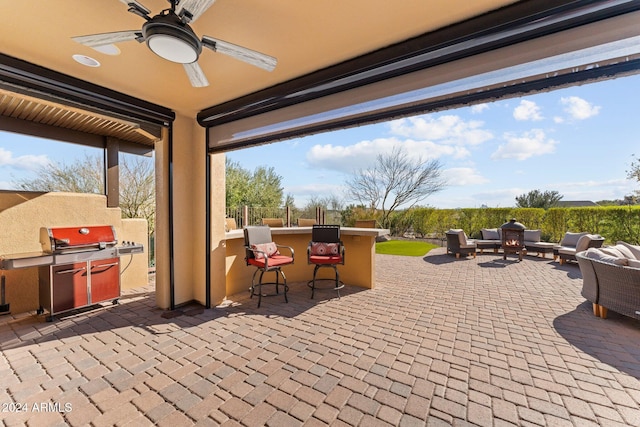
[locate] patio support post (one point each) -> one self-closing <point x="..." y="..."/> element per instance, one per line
<point x="245" y="216"/>
<point x="112" y="172"/>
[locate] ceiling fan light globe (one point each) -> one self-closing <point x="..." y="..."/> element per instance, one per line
<point x="172" y="49"/>
<point x="168" y="37"/>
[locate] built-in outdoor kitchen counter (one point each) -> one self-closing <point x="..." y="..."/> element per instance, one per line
<point x="358" y="269"/>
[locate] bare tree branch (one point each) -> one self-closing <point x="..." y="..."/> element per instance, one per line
<point x="137" y="183"/>
<point x="395" y="181"/>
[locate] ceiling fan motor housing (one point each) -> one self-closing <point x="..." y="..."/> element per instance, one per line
<point x="168" y="37"/>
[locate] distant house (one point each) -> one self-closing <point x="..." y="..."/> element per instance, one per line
<point x="576" y="204"/>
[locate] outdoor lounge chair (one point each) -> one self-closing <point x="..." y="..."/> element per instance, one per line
<point x="264" y="254"/>
<point x="458" y="244"/>
<point x="567" y="250"/>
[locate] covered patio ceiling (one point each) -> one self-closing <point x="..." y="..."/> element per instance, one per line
<point x="303" y="36"/>
<point x="322" y="48"/>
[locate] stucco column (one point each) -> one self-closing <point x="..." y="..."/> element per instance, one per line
<point x="218" y="243"/>
<point x="188" y="210"/>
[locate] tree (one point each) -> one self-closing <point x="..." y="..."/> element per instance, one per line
<point x="538" y="199"/>
<point x="84" y="176"/>
<point x="394" y="181"/>
<point x="262" y="187"/>
<point x="137" y="190"/>
<point x="137" y="183"/>
<point x="634" y="171"/>
<point x="237" y="183"/>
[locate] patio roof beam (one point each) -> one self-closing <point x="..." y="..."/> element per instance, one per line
<point x="19" y="75"/>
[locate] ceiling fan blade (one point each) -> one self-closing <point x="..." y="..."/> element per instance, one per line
<point x="252" y="57"/>
<point x="190" y="10"/>
<point x="137" y="6"/>
<point x="196" y="75"/>
<point x="95" y="40"/>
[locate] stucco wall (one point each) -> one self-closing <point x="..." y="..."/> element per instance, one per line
<point x="22" y="214"/>
<point x="358" y="270"/>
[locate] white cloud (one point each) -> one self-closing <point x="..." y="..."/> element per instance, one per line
<point x="447" y="129"/>
<point x="364" y="153"/>
<point x="578" y="108"/>
<point x="521" y="147"/>
<point x="479" y="108"/>
<point x="527" y="110"/>
<point x="422" y="137"/>
<point x="463" y="176"/>
<point x="558" y="119"/>
<point x="26" y="162"/>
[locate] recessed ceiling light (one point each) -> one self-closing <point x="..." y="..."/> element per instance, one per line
<point x="86" y="60"/>
<point x="109" y="49"/>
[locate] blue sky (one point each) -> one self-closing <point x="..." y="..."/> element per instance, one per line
<point x="578" y="141"/>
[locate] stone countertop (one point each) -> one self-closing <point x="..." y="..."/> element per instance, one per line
<point x="346" y="231"/>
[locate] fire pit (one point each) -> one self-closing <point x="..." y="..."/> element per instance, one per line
<point x="513" y="239"/>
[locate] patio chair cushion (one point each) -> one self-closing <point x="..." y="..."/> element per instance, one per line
<point x="625" y="251"/>
<point x="635" y="250"/>
<point x="274" y="260"/>
<point x="462" y="236"/>
<point x="325" y="259"/>
<point x="571" y="239"/>
<point x="490" y="234"/>
<point x="268" y="248"/>
<point x="605" y="256"/>
<point x="532" y="235"/>
<point x="612" y="251"/>
<point x="583" y="242"/>
<point x="324" y="249"/>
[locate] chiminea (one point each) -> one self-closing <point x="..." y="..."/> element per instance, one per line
<point x="513" y="239"/>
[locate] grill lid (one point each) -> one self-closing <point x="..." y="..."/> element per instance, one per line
<point x="59" y="239"/>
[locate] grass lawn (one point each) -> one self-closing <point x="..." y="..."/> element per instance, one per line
<point x="404" y="247"/>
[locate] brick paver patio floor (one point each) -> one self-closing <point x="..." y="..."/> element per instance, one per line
<point x="439" y="341"/>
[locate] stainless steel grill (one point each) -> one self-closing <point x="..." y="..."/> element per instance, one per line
<point x="78" y="266"/>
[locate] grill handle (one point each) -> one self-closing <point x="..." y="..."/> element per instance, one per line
<point x="104" y="265"/>
<point x="72" y="270"/>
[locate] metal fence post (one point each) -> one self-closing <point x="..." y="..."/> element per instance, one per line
<point x="288" y="216"/>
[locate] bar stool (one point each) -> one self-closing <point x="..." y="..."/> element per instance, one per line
<point x="325" y="250"/>
<point x="264" y="254"/>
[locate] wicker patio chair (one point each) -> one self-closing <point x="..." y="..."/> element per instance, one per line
<point x="458" y="244"/>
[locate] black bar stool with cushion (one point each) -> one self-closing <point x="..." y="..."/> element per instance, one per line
<point x="325" y="250"/>
<point x="264" y="254"/>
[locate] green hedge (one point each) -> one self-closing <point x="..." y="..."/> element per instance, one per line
<point x="613" y="222"/>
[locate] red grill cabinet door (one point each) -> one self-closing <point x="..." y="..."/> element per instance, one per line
<point x="69" y="286"/>
<point x="105" y="280"/>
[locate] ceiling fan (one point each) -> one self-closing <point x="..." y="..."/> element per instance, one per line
<point x="169" y="36"/>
